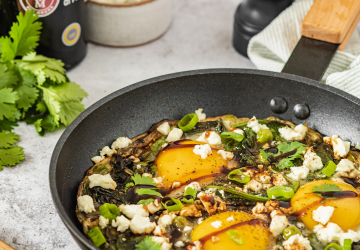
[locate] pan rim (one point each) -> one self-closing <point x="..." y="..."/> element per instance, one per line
<point x="70" y="225"/>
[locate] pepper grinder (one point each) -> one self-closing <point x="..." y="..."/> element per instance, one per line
<point x="251" y="17"/>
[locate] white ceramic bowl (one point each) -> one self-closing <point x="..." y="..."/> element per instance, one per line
<point x="125" y="25"/>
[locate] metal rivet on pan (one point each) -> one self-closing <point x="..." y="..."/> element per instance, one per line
<point x="278" y="105"/>
<point x="301" y="111"/>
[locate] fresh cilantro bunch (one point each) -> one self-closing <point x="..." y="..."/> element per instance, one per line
<point x="33" y="88"/>
<point x="284" y="148"/>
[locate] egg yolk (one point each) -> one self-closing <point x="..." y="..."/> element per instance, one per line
<point x="346" y="213"/>
<point x="253" y="233"/>
<point x="178" y="163"/>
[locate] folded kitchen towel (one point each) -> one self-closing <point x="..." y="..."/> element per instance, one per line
<point x="271" y="48"/>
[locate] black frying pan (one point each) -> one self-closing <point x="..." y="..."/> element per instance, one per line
<point x="132" y="110"/>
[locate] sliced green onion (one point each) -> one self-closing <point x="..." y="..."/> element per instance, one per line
<point x="347" y="244"/>
<point x="235" y="237"/>
<point x="145" y="202"/>
<point x="280" y="192"/>
<point x="176" y="207"/>
<point x="264" y="135"/>
<point x="96" y="236"/>
<point x="329" y="168"/>
<point x="238" y="172"/>
<point x="189" y="191"/>
<point x="109" y="211"/>
<point x="290" y="231"/>
<point x="188" y="122"/>
<point x="334" y="245"/>
<point x="232" y="135"/>
<point x="240" y="195"/>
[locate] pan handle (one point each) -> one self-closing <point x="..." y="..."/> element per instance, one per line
<point x="332" y="21"/>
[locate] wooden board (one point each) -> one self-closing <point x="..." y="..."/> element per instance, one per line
<point x="331" y="20"/>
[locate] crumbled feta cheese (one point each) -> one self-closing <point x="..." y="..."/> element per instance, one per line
<point x="176" y="184"/>
<point x="298" y="133"/>
<point x="253" y="185"/>
<point x="255" y="125"/>
<point x="164" y="145"/>
<point x="329" y="233"/>
<point x="164" y="128"/>
<point x="194" y="185"/>
<point x="323" y="214"/>
<point x="107" y="151"/>
<point x="298" y="173"/>
<point x="345" y="165"/>
<point x="357" y="146"/>
<point x="231" y="218"/>
<point x="239" y="131"/>
<point x="121" y="142"/>
<point x="200" y="114"/>
<point x="159" y="231"/>
<point x="165" y="220"/>
<point x="104" y="181"/>
<point x="103" y="222"/>
<point x="202" y="150"/>
<point x="179" y="244"/>
<point x="332" y="232"/>
<point x="341" y="148"/>
<point x="187" y="228"/>
<point x="153" y="207"/>
<point x="226" y="154"/>
<point x="164" y="242"/>
<point x="297" y="241"/>
<point x="200" y="220"/>
<point x="278" y="223"/>
<point x="97" y="159"/>
<point x="210" y="137"/>
<point x="312" y="161"/>
<point x="279" y="180"/>
<point x="85" y="204"/>
<point x="210" y="191"/>
<point x="141" y="225"/>
<point x="146" y="174"/>
<point x="174" y="135"/>
<point x="121" y="223"/>
<point x="222" y="192"/>
<point x="216" y="224"/>
<point x="131" y="210"/>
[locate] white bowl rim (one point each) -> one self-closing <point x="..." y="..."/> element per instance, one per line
<point x="120" y="5"/>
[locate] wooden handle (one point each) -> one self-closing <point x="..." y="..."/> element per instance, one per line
<point x="4" y="246"/>
<point x="331" y="21"/>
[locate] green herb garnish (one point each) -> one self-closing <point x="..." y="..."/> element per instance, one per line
<point x="189" y="191"/>
<point x="284" y="148"/>
<point x="167" y="203"/>
<point x="148" y="244"/>
<point x="320" y="190"/>
<point x="145" y="202"/>
<point x="33" y="88"/>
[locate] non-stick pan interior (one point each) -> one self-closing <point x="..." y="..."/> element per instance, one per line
<point x="132" y="110"/>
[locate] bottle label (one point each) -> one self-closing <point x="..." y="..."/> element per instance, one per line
<point x="71" y="34"/>
<point x="42" y="7"/>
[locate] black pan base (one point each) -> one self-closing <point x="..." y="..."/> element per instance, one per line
<point x="132" y="110"/>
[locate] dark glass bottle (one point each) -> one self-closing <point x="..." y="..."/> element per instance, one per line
<point x="8" y="12"/>
<point x="63" y="32"/>
<point x="251" y="17"/>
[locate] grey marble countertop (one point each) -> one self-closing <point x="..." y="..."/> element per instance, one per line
<point x="200" y="37"/>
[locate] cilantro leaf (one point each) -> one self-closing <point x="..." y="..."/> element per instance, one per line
<point x="8" y="77"/>
<point x="44" y="124"/>
<point x="145" y="202"/>
<point x="11" y="156"/>
<point x="24" y="34"/>
<point x="7" y="103"/>
<point x="149" y="191"/>
<point x="326" y="187"/>
<point x="69" y="111"/>
<point x="41" y="107"/>
<point x="7" y="125"/>
<point x="7" y="139"/>
<point x="148" y="244"/>
<point x="64" y="101"/>
<point x="26" y="91"/>
<point x="146" y="180"/>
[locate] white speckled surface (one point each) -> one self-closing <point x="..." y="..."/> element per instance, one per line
<point x="200" y="37"/>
